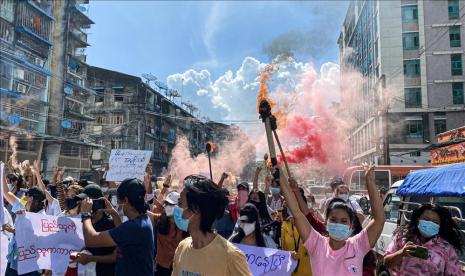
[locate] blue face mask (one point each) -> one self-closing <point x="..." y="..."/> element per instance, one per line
<point x="344" y="197"/>
<point x="428" y="228"/>
<point x="339" y="232"/>
<point x="180" y="222"/>
<point x="275" y="191"/>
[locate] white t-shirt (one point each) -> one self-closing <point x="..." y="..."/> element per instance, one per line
<point x="54" y="209"/>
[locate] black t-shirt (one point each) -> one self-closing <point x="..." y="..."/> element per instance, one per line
<point x="103" y="269"/>
<point x="134" y="239"/>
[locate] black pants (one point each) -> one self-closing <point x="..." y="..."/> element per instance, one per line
<point x="162" y="271"/>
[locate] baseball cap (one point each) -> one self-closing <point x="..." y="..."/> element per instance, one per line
<point x="36" y="193"/>
<point x="243" y="185"/>
<point x="173" y="198"/>
<point x="93" y="191"/>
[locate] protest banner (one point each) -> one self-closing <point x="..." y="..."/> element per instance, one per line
<point x="268" y="261"/>
<point x="2" y="218"/>
<point x="126" y="163"/>
<point x="46" y="242"/>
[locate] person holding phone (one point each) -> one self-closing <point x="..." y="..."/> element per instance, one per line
<point x="428" y="245"/>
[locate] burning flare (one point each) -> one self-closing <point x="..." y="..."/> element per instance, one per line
<point x="210" y="146"/>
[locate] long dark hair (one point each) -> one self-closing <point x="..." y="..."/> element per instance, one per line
<point x="337" y="203"/>
<point x="204" y="196"/>
<point x="251" y="212"/>
<point x="262" y="207"/>
<point x="448" y="229"/>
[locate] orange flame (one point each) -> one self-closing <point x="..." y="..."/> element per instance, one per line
<point x="279" y="113"/>
<point x="212" y="146"/>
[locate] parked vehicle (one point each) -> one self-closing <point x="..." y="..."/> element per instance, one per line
<point x="442" y="185"/>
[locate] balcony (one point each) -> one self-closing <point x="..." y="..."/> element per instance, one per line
<point x="33" y="21"/>
<point x="79" y="38"/>
<point x="79" y="15"/>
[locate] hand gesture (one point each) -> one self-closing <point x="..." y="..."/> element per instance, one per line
<point x="86" y="205"/>
<point x="293" y="184"/>
<point x="83" y="258"/>
<point x="369" y="171"/>
<point x="408" y="248"/>
<point x="224" y="176"/>
<point x="258" y="170"/>
<point x="36" y="168"/>
<point x="108" y="206"/>
<point x="295" y="256"/>
<point x="265" y="157"/>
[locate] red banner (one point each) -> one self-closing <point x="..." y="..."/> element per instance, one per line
<point x="448" y="154"/>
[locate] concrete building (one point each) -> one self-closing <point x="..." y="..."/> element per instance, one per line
<point x="43" y="82"/>
<point x="131" y="114"/>
<point x="410" y="55"/>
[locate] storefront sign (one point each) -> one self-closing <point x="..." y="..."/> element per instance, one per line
<point x="448" y="154"/>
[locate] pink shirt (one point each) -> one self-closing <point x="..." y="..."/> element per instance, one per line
<point x="347" y="260"/>
<point x="442" y="260"/>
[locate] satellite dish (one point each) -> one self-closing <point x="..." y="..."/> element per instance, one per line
<point x="161" y="85"/>
<point x="66" y="124"/>
<point x="149" y="77"/>
<point x="14" y="119"/>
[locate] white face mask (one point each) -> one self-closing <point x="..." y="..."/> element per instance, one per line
<point x="309" y="205"/>
<point x="169" y="210"/>
<point x="344" y="197"/>
<point x="248" y="228"/>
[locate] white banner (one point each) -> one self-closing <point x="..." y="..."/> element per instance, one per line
<point x="268" y="261"/>
<point x="126" y="163"/>
<point x="46" y="242"/>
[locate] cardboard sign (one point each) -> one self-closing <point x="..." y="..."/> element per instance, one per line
<point x="46" y="242"/>
<point x="268" y="261"/>
<point x="126" y="163"/>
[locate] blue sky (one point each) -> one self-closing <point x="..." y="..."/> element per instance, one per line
<point x="166" y="38"/>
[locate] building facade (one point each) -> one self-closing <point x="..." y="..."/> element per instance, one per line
<point x="43" y="82"/>
<point x="132" y="114"/>
<point x="409" y="54"/>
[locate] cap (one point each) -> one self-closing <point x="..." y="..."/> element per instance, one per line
<point x="93" y="191"/>
<point x="173" y="198"/>
<point x="132" y="188"/>
<point x="36" y="193"/>
<point x="244" y="185"/>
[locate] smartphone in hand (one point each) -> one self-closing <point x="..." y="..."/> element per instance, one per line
<point x="421" y="252"/>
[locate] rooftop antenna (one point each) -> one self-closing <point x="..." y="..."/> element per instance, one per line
<point x="149" y="77"/>
<point x="190" y="107"/>
<point x="172" y="93"/>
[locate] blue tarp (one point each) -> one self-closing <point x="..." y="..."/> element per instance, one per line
<point x="443" y="181"/>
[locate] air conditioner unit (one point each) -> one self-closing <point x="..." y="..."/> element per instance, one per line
<point x="21" y="88"/>
<point x="152" y="131"/>
<point x="39" y="62"/>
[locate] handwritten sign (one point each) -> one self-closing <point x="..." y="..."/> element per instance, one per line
<point x="268" y="261"/>
<point x="46" y="242"/>
<point x="127" y="164"/>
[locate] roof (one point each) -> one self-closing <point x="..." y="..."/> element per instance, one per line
<point x="442" y="181"/>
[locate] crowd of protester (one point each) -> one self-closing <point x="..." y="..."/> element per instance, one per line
<point x="138" y="228"/>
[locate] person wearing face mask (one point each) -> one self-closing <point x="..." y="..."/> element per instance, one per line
<point x="338" y="254"/>
<point x="34" y="202"/>
<point x="241" y="199"/>
<point x="204" y="252"/>
<point x="133" y="238"/>
<point x="275" y="201"/>
<point x="431" y="227"/>
<point x="270" y="228"/>
<point x="249" y="232"/>
<point x="72" y="202"/>
<point x="342" y="192"/>
<point x="291" y="241"/>
<point x="168" y="235"/>
<point x="104" y="217"/>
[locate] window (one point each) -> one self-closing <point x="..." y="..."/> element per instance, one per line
<point x="118" y="94"/>
<point x="457" y="93"/>
<point x="453" y="9"/>
<point x="415" y="129"/>
<point x="456" y="64"/>
<point x="116" y="143"/>
<point x="101" y="120"/>
<point x="439" y="126"/>
<point x="410" y="14"/>
<point x="454" y="36"/>
<point x="412" y="97"/>
<point x="415" y="154"/>
<point x="412" y="68"/>
<point x="117" y="118"/>
<point x="410" y="41"/>
<point x="99" y="99"/>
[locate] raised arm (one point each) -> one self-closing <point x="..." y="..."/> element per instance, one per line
<point x="93" y="238"/>
<point x="7" y="195"/>
<point x="303" y="226"/>
<point x="300" y="200"/>
<point x="40" y="183"/>
<point x="375" y="227"/>
<point x="224" y="176"/>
